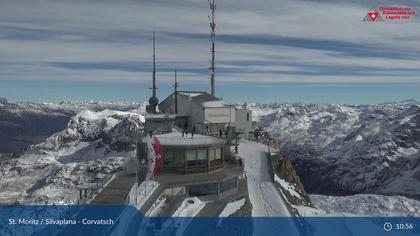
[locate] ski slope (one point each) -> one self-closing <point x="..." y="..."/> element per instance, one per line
<point x="265" y="198"/>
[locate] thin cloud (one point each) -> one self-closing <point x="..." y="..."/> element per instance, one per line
<point x="300" y="41"/>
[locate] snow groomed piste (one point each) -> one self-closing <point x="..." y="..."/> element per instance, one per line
<point x="126" y="220"/>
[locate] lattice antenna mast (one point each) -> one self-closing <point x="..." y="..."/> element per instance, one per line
<point x="213" y="41"/>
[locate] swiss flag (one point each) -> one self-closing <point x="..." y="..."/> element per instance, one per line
<point x="373" y="15"/>
<point x="159" y="154"/>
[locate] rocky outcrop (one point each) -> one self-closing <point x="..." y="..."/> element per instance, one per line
<point x="284" y="170"/>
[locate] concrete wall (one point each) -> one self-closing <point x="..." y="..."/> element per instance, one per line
<point x="197" y="117"/>
<point x="194" y="112"/>
<point x="184" y="105"/>
<point x="159" y="125"/>
<point x="242" y="123"/>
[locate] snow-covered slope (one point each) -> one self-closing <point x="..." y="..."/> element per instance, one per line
<point x="345" y="149"/>
<point x="93" y="144"/>
<point x="265" y="198"/>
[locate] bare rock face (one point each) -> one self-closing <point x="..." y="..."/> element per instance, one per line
<point x="284" y="170"/>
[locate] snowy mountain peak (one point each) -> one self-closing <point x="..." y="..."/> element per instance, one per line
<point x="94" y="142"/>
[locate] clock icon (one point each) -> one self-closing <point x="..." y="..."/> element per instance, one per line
<point x="387" y="226"/>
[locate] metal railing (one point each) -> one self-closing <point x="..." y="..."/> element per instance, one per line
<point x="90" y="190"/>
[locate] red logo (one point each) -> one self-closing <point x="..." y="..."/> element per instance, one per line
<point x="373" y="15"/>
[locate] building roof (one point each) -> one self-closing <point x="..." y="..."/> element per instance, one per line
<point x="200" y="97"/>
<point x="191" y="94"/>
<point x="218" y="103"/>
<point x="204" y="99"/>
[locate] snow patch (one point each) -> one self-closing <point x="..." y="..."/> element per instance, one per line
<point x="155" y="210"/>
<point x="232" y="207"/>
<point x="286" y="185"/>
<point x="189" y="207"/>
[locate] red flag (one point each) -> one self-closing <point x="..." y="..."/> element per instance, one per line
<point x="159" y="154"/>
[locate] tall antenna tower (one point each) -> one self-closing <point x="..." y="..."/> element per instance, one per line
<point x="176" y="85"/>
<point x="154" y="65"/>
<point x="213" y="40"/>
<point x="153" y="100"/>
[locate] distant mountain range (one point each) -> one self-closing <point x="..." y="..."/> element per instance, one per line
<point x="25" y="123"/>
<point x="335" y="149"/>
<point x="347" y="149"/>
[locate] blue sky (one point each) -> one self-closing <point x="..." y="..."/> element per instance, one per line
<point x="270" y="41"/>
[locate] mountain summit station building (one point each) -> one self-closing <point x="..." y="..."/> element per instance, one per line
<point x="196" y="131"/>
<point x="207" y="114"/>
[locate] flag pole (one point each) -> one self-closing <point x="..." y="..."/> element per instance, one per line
<point x="154" y="172"/>
<point x="145" y="181"/>
<point x="137" y="162"/>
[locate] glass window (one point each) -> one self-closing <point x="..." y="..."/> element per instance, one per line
<point x="179" y="155"/>
<point x="202" y="157"/>
<point x="191" y="157"/>
<point x="215" y="156"/>
<point x="211" y="154"/>
<point x="173" y="158"/>
<point x="218" y="154"/>
<point x="169" y="159"/>
<point x="202" y="154"/>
